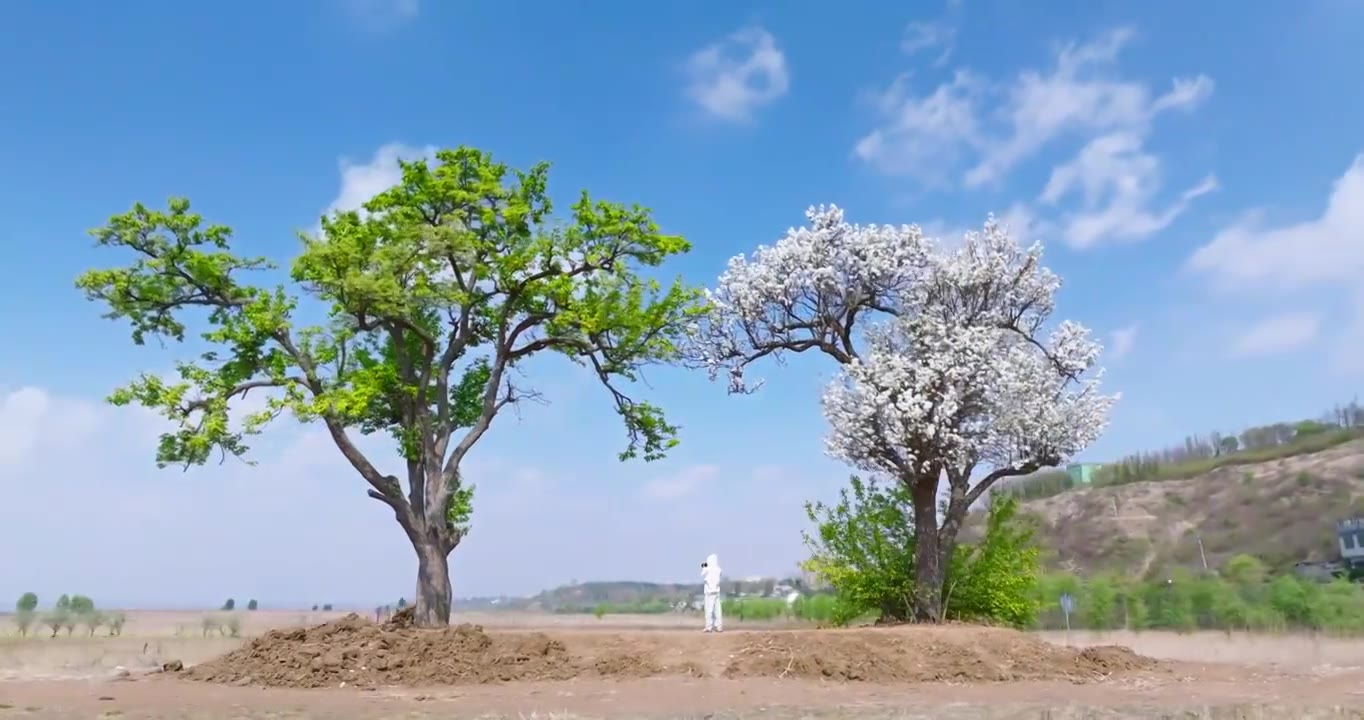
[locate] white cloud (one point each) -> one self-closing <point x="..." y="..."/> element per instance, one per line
<point x="33" y="424"/>
<point x="921" y="36"/>
<point x="680" y="484"/>
<point x="381" y="15"/>
<point x="924" y="137"/>
<point x="362" y="181"/>
<point x="1328" y="249"/>
<point x="1079" y="94"/>
<point x="1277" y="334"/>
<point x="1118" y="181"/>
<point x="987" y="128"/>
<point x="1121" y="342"/>
<point x="1311" y="257"/>
<point x="1348" y="354"/>
<point x="1022" y="224"/>
<point x="733" y="78"/>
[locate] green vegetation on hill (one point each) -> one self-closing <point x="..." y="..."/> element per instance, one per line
<point x="1199" y="455"/>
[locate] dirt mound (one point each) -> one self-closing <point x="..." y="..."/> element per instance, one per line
<point x="356" y="652"/>
<point x="921" y="654"/>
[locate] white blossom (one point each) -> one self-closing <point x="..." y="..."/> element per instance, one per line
<point x="945" y="359"/>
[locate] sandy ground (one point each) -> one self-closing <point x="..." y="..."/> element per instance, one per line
<point x="1213" y="675"/>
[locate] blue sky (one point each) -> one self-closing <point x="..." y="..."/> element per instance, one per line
<point x="1191" y="168"/>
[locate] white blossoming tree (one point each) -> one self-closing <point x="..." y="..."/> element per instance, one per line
<point x="948" y="372"/>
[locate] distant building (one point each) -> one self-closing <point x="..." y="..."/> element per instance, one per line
<point x="1082" y="473"/>
<point x="1350" y="537"/>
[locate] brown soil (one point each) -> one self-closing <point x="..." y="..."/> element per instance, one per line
<point x="355" y="652"/>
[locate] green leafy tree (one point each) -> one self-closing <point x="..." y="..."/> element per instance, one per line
<point x="63" y="602"/>
<point x="230" y="605"/>
<point x="251" y="605"/>
<point x="435" y="296"/>
<point x="28" y="602"/>
<point x="82" y="605"/>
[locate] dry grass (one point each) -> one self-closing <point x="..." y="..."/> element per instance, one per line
<point x="1282" y="511"/>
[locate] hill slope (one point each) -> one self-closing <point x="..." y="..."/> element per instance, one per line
<point x="1282" y="511"/>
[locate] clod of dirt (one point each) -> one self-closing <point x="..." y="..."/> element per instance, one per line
<point x="627" y="665"/>
<point x="403" y="619"/>
<point x="925" y="654"/>
<point x="1113" y="658"/>
<point x="359" y="653"/>
<point x="173" y="666"/>
<point x="689" y="668"/>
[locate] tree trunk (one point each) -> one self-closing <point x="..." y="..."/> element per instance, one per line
<point x="928" y="570"/>
<point x="433" y="584"/>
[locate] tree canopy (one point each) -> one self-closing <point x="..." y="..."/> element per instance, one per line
<point x="947" y="363"/>
<point x="433" y="294"/>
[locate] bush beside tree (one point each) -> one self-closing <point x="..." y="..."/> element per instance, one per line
<point x="864" y="546"/>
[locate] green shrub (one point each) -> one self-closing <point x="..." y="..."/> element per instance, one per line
<point x="28" y="602"/>
<point x="755" y="608"/>
<point x="864" y="547"/>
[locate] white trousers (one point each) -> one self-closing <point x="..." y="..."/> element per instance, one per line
<point x="714" y="619"/>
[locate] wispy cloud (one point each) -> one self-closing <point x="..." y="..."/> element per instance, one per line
<point x="733" y="78"/>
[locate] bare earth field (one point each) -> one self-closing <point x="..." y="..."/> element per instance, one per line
<point x="524" y="666"/>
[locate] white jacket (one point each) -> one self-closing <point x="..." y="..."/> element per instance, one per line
<point x="710" y="575"/>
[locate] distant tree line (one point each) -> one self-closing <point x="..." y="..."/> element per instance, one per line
<point x="1243" y="596"/>
<point x="67" y="614"/>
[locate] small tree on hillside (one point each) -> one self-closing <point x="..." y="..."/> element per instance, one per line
<point x="947" y="371"/>
<point x="436" y="295"/>
<point x="251" y="605"/>
<point x="230" y="605"/>
<point x="28" y="602"/>
<point x="63" y="603"/>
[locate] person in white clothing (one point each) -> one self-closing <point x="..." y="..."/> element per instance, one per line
<point x="710" y="578"/>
